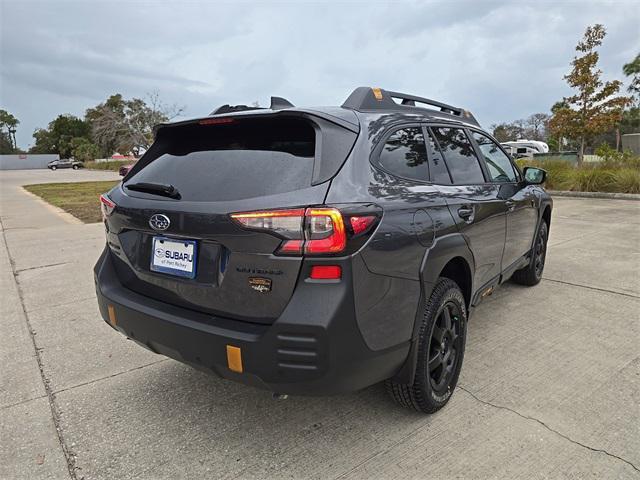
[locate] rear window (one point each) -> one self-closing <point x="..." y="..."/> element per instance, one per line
<point x="404" y="154"/>
<point x="231" y="161"/>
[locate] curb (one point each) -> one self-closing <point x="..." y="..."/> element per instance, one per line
<point x="66" y="216"/>
<point x="613" y="196"/>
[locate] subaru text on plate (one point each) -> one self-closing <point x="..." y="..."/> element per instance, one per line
<point x="320" y="250"/>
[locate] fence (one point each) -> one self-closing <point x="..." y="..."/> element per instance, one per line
<point x="25" y="161"/>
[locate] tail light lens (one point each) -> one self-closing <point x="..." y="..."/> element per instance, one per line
<point x="361" y="223"/>
<point x="107" y="206"/>
<point x="325" y="231"/>
<point x="312" y="231"/>
<point x="287" y="223"/>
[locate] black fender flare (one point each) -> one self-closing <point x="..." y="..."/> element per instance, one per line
<point x="443" y="250"/>
<point x="544" y="203"/>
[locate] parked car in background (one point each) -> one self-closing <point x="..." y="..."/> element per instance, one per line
<point x="65" y="163"/>
<point x="123" y="170"/>
<point x="320" y="250"/>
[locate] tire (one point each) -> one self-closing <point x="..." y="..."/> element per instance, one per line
<point x="54" y="167"/>
<point x="435" y="380"/>
<point x="75" y="167"/>
<point x="532" y="274"/>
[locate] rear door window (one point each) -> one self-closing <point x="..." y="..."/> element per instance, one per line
<point x="244" y="158"/>
<point x="404" y="154"/>
<point x="437" y="167"/>
<point x="498" y="164"/>
<point x="459" y="155"/>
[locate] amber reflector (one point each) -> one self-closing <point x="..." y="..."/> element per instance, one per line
<point x="234" y="358"/>
<point x="112" y="315"/>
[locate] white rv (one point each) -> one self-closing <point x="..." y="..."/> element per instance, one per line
<point x="525" y="148"/>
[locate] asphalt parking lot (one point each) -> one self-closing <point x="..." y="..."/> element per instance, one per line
<point x="550" y="387"/>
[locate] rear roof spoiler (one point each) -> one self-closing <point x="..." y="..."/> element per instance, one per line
<point x="374" y="99"/>
<point x="277" y="103"/>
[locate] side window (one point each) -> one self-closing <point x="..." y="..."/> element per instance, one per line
<point x="405" y="155"/>
<point x="459" y="155"/>
<point x="437" y="167"/>
<point x="498" y="163"/>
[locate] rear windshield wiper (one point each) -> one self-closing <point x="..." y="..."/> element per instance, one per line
<point x="155" y="188"/>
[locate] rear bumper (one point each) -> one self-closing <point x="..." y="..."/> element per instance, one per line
<point x="313" y="348"/>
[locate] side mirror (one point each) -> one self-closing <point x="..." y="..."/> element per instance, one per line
<point x="534" y="176"/>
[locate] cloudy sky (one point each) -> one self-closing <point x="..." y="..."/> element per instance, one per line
<point x="501" y="60"/>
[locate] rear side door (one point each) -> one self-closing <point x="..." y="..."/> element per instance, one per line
<point x="474" y="202"/>
<point x="522" y="213"/>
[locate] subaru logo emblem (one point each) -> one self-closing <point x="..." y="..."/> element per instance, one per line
<point x="159" y="222"/>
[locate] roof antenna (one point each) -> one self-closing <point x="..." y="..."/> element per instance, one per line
<point x="278" y="103"/>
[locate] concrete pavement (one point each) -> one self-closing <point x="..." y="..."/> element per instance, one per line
<point x="549" y="388"/>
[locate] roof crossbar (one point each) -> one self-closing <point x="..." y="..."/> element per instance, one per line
<point x="367" y="98"/>
<point x="412" y="99"/>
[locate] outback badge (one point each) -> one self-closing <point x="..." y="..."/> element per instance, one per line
<point x="259" y="284"/>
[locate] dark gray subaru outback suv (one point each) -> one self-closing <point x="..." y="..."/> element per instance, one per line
<point x="320" y="250"/>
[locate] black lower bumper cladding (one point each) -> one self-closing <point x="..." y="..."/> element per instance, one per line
<point x="300" y="353"/>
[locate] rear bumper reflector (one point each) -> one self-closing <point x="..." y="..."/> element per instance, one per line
<point x="112" y="315"/>
<point x="326" y="272"/>
<point x="234" y="359"/>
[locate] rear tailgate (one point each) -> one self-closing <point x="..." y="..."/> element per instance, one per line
<point x="245" y="164"/>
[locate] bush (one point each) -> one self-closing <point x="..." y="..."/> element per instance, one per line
<point x="627" y="180"/>
<point x="613" y="158"/>
<point x="618" y="172"/>
<point x="113" y="165"/>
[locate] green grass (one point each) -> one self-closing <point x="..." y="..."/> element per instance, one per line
<point x="600" y="177"/>
<point x="80" y="199"/>
<point x="112" y="165"/>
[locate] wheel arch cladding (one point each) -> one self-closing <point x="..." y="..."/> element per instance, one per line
<point x="458" y="270"/>
<point x="546" y="215"/>
<point x="449" y="256"/>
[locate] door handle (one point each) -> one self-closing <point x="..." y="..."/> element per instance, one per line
<point x="511" y="205"/>
<point x="466" y="213"/>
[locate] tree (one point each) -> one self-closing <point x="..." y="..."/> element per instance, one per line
<point x="595" y="108"/>
<point x="58" y="136"/>
<point x="127" y="125"/>
<point x="507" y="132"/>
<point x="8" y="124"/>
<point x="536" y="126"/>
<point x="632" y="69"/>
<point x="82" y="149"/>
<point x="533" y="128"/>
<point x="107" y="124"/>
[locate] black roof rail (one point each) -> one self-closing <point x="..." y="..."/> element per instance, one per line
<point x="368" y="98"/>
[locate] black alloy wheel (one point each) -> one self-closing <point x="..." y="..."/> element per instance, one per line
<point x="532" y="273"/>
<point x="444" y="347"/>
<point x="440" y="351"/>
